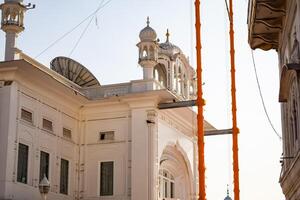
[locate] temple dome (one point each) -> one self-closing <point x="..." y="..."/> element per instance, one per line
<point x="168" y="46"/>
<point x="148" y="33"/>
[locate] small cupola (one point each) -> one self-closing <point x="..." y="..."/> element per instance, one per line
<point x="148" y="50"/>
<point x="12" y="23"/>
<point x="148" y="33"/>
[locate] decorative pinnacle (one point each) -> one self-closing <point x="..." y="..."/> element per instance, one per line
<point x="168" y="35"/>
<point x="148" y="21"/>
<point x="227" y="190"/>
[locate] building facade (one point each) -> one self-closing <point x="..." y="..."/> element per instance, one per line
<point x="95" y="141"/>
<point x="276" y="25"/>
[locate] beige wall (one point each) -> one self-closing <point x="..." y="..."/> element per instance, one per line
<point x="136" y="149"/>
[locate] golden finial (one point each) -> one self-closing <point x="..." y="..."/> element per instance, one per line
<point x="168" y="35"/>
<point x="148" y="21"/>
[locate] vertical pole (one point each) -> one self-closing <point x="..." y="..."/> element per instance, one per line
<point x="235" y="129"/>
<point x="200" y="103"/>
<point x="10" y="45"/>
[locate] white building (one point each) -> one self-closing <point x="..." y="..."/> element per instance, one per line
<point x="276" y="25"/>
<point x="96" y="141"/>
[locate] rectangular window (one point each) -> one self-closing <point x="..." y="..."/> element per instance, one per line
<point x="106" y="178"/>
<point x="107" y="135"/>
<point x="166" y="189"/>
<point x="44" y="165"/>
<point x="67" y="133"/>
<point x="172" y="190"/>
<point x="26" y="115"/>
<point x="47" y="125"/>
<point x="22" y="163"/>
<point x="64" y="176"/>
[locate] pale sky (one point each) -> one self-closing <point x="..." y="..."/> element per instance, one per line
<point x="108" y="49"/>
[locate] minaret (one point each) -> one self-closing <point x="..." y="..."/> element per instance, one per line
<point x="12" y="24"/>
<point x="148" y="51"/>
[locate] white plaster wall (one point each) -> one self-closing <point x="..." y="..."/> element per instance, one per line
<point x="140" y="155"/>
<point x="39" y="140"/>
<point x="4" y="121"/>
<point x="132" y="149"/>
<point x="97" y="151"/>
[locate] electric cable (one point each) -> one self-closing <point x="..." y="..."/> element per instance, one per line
<point x="227" y="8"/>
<point x="71" y="30"/>
<point x="84" y="31"/>
<point x="261" y="97"/>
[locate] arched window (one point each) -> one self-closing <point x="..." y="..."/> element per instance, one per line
<point x="151" y="53"/>
<point x="160" y="75"/>
<point x="174" y="77"/>
<point x="292" y="120"/>
<point x="179" y="80"/>
<point x="166" y="184"/>
<point x="294" y="113"/>
<point x="145" y="53"/>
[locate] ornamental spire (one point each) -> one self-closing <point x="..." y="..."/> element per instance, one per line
<point x="148" y="21"/>
<point x="167" y="35"/>
<point x="227" y="190"/>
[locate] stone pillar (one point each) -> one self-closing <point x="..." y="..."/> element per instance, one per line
<point x="10" y="46"/>
<point x="153" y="157"/>
<point x="148" y="72"/>
<point x="144" y="162"/>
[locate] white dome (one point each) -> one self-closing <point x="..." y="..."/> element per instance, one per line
<point x="18" y="1"/>
<point x="168" y="47"/>
<point x="148" y="33"/>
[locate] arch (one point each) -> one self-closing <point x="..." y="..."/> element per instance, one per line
<point x="180" y="79"/>
<point x="176" y="166"/>
<point x="145" y="52"/>
<point x="160" y="74"/>
<point x="287" y="73"/>
<point x="151" y="52"/>
<point x="293" y="114"/>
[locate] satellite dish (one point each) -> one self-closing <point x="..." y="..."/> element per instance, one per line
<point x="74" y="71"/>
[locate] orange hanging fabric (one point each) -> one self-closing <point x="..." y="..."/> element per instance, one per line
<point x="200" y="103"/>
<point x="235" y="130"/>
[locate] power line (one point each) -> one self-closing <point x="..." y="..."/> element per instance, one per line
<point x="227" y="9"/>
<point x="84" y="31"/>
<point x="261" y="97"/>
<point x="71" y="30"/>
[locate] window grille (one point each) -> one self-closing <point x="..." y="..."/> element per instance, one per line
<point x="26" y="115"/>
<point x="107" y="135"/>
<point x="22" y="163"/>
<point x="47" y="125"/>
<point x="64" y="176"/>
<point x="166" y="185"/>
<point x="67" y="133"/>
<point x="106" y="178"/>
<point x="44" y="165"/>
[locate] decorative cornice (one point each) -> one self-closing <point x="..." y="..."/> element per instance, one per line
<point x="265" y="19"/>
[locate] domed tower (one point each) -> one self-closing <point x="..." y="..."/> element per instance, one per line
<point x="148" y="51"/>
<point x="227" y="197"/>
<point x="12" y="23"/>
